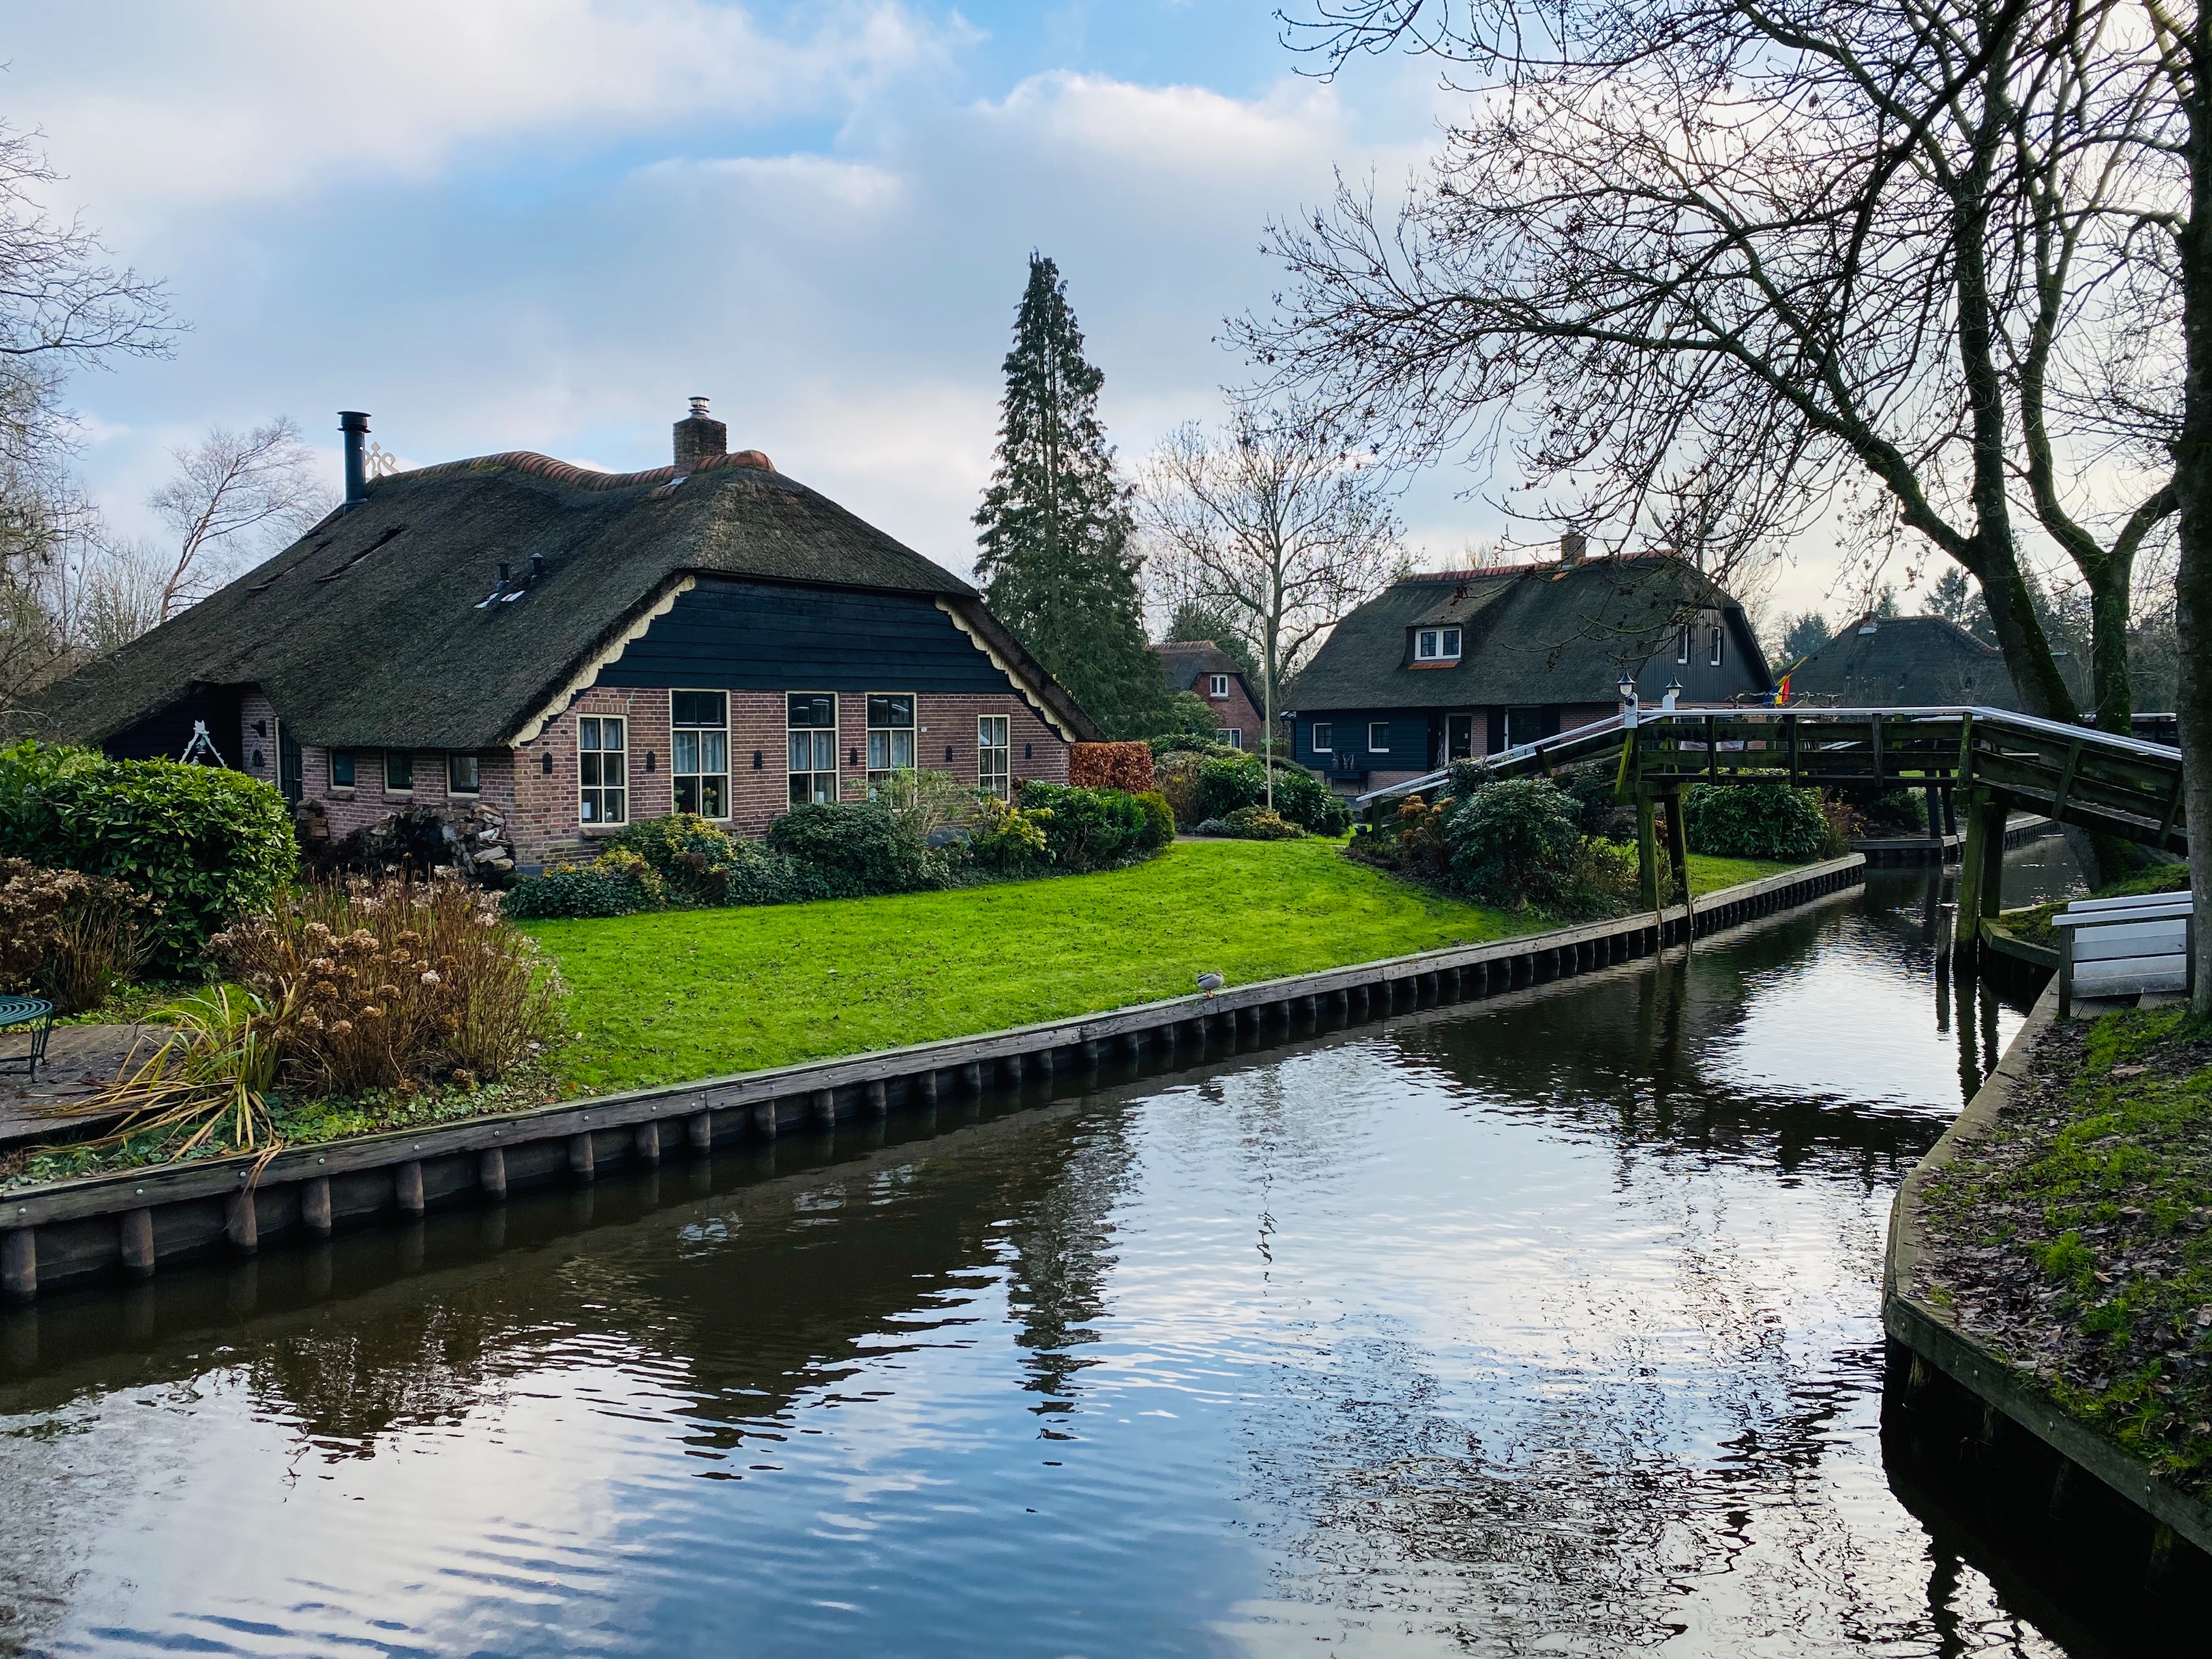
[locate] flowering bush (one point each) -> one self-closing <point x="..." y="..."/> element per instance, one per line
<point x="393" y="978"/>
<point x="65" y="934"/>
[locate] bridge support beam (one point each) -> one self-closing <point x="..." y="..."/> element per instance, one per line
<point x="1647" y="850"/>
<point x="1981" y="874"/>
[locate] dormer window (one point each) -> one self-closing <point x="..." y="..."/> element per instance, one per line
<point x="1436" y="645"/>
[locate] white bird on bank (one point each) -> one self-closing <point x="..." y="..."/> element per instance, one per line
<point x="1210" y="982"/>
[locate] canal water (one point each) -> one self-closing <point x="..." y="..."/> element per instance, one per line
<point x="1547" y="1324"/>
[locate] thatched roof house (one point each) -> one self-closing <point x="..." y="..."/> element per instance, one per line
<point x="442" y="635"/>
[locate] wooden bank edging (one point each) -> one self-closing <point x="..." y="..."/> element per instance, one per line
<point x="71" y="1231"/>
<point x="1931" y="1333"/>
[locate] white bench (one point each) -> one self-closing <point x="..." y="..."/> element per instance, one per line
<point x="2122" y="947"/>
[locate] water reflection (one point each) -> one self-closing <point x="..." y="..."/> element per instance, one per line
<point x="1546" y="1323"/>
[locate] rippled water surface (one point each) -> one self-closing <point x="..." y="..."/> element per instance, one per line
<point x="1547" y="1324"/>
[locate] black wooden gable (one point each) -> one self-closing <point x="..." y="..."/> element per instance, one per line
<point x="767" y="637"/>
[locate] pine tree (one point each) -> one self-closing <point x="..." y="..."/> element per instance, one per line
<point x="1057" y="565"/>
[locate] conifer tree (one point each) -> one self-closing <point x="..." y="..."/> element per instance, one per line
<point x="1057" y="563"/>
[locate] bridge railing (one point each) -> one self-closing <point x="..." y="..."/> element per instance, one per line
<point x="2097" y="780"/>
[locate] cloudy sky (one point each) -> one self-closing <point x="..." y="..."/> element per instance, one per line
<point x="542" y="224"/>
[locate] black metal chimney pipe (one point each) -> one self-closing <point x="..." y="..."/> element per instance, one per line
<point x="354" y="425"/>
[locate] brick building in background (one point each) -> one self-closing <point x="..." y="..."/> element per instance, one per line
<point x="576" y="650"/>
<point x="1206" y="671"/>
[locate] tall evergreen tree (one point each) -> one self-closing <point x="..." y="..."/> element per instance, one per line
<point x="1057" y="565"/>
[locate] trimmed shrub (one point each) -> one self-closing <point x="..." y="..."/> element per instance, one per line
<point x="1088" y="829"/>
<point x="1308" y="802"/>
<point x="1227" y="782"/>
<point x="691" y="856"/>
<point x="1009" y="839"/>
<point x="1125" y="766"/>
<point x="1598" y="811"/>
<point x="1252" y="824"/>
<point x="568" y="890"/>
<point x="1159" y="820"/>
<point x="1514" y="843"/>
<point x="1754" y="821"/>
<point x="202" y="844"/>
<point x="862" y="839"/>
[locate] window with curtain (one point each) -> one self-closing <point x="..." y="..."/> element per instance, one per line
<point x="811" y="725"/>
<point x="602" y="769"/>
<point x="699" y="751"/>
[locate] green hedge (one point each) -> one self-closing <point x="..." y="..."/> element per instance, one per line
<point x="1229" y="784"/>
<point x="860" y="841"/>
<point x="1754" y="821"/>
<point x="1091" y="828"/>
<point x="205" y="844"/>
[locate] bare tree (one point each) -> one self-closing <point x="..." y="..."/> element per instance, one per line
<point x="1276" y="523"/>
<point x="1711" y="269"/>
<point x="233" y="492"/>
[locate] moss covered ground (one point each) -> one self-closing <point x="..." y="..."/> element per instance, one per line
<point x="2076" y="1237"/>
<point x="686" y="994"/>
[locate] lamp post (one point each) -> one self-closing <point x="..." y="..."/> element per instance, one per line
<point x="1674" y="690"/>
<point x="1627" y="699"/>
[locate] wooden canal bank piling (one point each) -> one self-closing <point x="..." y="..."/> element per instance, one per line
<point x="138" y="1221"/>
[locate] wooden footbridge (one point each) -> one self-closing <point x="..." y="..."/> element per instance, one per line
<point x="1981" y="764"/>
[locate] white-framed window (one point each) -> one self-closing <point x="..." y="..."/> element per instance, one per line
<point x="1378" y="737"/>
<point x="891" y="734"/>
<point x="1231" y="735"/>
<point x="602" y="769"/>
<point x="398" y="772"/>
<point x="994" y="752"/>
<point x="1714" y="653"/>
<point x="1324" y="737"/>
<point x="1435" y="644"/>
<point x="811" y="725"/>
<point x="1682" y="645"/>
<point x="699" y="751"/>
<point x="462" y="776"/>
<point x="1217" y="685"/>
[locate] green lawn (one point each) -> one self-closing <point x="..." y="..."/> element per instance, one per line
<point x="690" y="993"/>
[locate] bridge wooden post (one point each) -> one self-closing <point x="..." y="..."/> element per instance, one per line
<point x="1678" y="849"/>
<point x="1981" y="873"/>
<point x="1647" y="851"/>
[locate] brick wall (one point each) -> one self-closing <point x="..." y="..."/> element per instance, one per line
<point x="543" y="806"/>
<point x="1237" y="710"/>
<point x="256" y="753"/>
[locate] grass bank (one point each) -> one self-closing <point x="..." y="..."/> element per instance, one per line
<point x="679" y="994"/>
<point x="2076" y="1238"/>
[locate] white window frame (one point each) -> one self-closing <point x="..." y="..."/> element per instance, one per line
<point x="475" y="771"/>
<point x="1682" y="646"/>
<point x="1231" y="735"/>
<point x="1435" y="644"/>
<point x="814" y="770"/>
<point x="591" y="778"/>
<point x="1322" y="740"/>
<point x="390" y="755"/>
<point x="1217" y="685"/>
<point x="996" y="780"/>
<point x="1373" y="747"/>
<point x="877" y="774"/>
<point x="1716" y="652"/>
<point x="698" y="772"/>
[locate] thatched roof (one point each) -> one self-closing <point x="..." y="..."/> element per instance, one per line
<point x="1904" y="662"/>
<point x="365" y="631"/>
<point x="1530" y="635"/>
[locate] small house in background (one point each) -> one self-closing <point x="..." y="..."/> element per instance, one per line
<point x="550" y="653"/>
<point x="1205" y="670"/>
<point x="1914" y="662"/>
<point x="1454" y="664"/>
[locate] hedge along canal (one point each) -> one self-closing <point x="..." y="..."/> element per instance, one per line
<point x="133" y="1222"/>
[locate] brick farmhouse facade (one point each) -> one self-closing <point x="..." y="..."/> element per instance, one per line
<point x="1211" y="674"/>
<point x="547" y="655"/>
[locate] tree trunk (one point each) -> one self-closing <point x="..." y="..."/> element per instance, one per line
<point x="2192" y="455"/>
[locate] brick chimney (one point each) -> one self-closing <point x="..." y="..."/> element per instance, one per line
<point x="698" y="436"/>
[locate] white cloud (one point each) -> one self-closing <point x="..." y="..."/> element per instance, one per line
<point x="186" y="106"/>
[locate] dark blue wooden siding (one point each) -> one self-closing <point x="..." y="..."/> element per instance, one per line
<point x="1409" y="739"/>
<point x="761" y="636"/>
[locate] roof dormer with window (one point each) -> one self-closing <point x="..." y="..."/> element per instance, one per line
<point x="1436" y="648"/>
